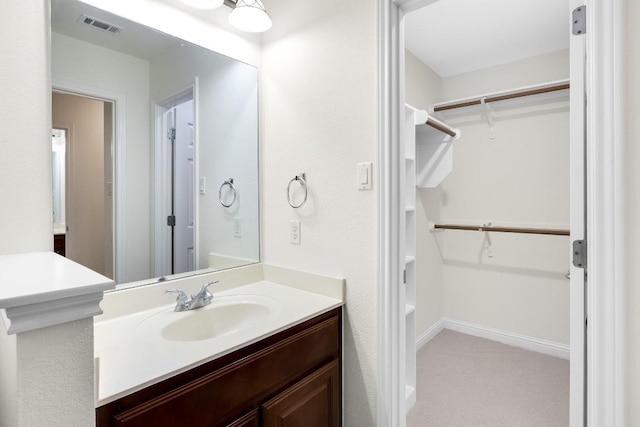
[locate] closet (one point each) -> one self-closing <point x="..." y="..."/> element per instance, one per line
<point x="486" y="200"/>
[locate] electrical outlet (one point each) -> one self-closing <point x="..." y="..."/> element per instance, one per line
<point x="236" y="228"/>
<point x="294" y="232"/>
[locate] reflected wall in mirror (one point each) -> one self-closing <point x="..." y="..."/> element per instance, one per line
<point x="147" y="173"/>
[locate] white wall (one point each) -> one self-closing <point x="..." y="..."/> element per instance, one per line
<point x="537" y="69"/>
<point x="26" y="223"/>
<point x="227" y="125"/>
<point x="632" y="184"/>
<point x="318" y="115"/>
<point x="73" y="60"/>
<point x="25" y="162"/>
<point x="56" y="376"/>
<point x="25" y="135"/>
<point x="521" y="178"/>
<point x="423" y="87"/>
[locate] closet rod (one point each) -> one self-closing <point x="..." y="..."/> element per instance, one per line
<point x="546" y="231"/>
<point x="436" y="124"/>
<point x="503" y="97"/>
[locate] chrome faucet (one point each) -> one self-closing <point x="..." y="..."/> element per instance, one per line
<point x="184" y="303"/>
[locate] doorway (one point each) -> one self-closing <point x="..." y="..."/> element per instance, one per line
<point x="392" y="211"/>
<point x="493" y="284"/>
<point x="604" y="391"/>
<point x="83" y="196"/>
<point x="175" y="202"/>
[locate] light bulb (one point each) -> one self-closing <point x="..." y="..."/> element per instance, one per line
<point x="250" y="16"/>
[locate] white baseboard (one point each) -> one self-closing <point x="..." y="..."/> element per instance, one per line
<point x="549" y="348"/>
<point x="428" y="335"/>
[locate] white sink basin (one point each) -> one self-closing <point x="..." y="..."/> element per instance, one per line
<point x="224" y="316"/>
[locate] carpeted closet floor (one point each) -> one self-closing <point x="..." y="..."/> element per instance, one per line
<point x="467" y="381"/>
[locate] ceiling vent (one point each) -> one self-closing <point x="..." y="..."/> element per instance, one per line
<point x="100" y="25"/>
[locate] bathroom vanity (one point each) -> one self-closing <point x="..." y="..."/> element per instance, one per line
<point x="260" y="354"/>
<point x="291" y="377"/>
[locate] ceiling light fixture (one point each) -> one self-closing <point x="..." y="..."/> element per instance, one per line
<point x="250" y="16"/>
<point x="203" y="4"/>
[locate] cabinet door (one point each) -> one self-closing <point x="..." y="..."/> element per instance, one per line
<point x="250" y="420"/>
<point x="312" y="402"/>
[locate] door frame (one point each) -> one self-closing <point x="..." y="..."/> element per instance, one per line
<point x="161" y="237"/>
<point x="118" y="163"/>
<point x="605" y="228"/>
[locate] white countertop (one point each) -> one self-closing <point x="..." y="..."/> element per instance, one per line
<point x="130" y="360"/>
<point x="44" y="276"/>
<point x="41" y="289"/>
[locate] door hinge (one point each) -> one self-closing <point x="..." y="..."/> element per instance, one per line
<point x="580" y="253"/>
<point x="171" y="220"/>
<point x="579" y="21"/>
<point x="171" y="133"/>
<point x="404" y="276"/>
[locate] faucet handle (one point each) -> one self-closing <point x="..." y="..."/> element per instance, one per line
<point x="181" y="298"/>
<point x="206" y="295"/>
<point x="206" y="285"/>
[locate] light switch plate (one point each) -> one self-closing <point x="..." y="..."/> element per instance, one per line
<point x="364" y="176"/>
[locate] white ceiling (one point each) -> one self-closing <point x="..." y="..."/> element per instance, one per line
<point x="135" y="39"/>
<point x="456" y="36"/>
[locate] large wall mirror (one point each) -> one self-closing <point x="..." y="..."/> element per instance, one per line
<point x="156" y="150"/>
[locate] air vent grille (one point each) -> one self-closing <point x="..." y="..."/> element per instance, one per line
<point x="100" y="25"/>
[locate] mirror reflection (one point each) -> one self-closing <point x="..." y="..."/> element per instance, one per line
<point x="155" y="150"/>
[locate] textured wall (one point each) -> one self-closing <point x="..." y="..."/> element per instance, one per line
<point x="25" y="157"/>
<point x="8" y="379"/>
<point x="25" y="142"/>
<point x="55" y="382"/>
<point x="319" y="116"/>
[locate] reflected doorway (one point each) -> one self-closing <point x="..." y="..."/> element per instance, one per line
<point x="175" y="185"/>
<point x="82" y="180"/>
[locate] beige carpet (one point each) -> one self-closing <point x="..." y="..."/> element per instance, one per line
<point x="473" y="382"/>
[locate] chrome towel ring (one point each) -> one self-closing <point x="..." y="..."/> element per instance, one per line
<point x="302" y="180"/>
<point x="232" y="188"/>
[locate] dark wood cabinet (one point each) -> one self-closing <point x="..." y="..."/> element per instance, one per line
<point x="290" y="379"/>
<point x="252" y="419"/>
<point x="59" y="244"/>
<point x="313" y="402"/>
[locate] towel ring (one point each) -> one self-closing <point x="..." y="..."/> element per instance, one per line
<point x="232" y="188"/>
<point x="302" y="179"/>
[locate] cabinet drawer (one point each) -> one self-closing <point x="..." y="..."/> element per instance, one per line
<point x="216" y="398"/>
